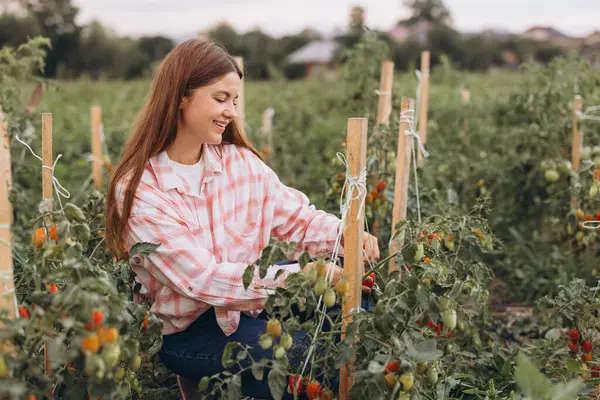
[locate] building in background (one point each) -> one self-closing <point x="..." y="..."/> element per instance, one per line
<point x="318" y="57"/>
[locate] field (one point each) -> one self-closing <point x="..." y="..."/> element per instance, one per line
<point x="498" y="225"/>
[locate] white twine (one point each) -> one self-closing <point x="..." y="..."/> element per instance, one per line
<point x="102" y="133"/>
<point x="59" y="189"/>
<point x="353" y="183"/>
<point x="382" y="93"/>
<point x="406" y="116"/>
<point x="588" y="114"/>
<point x="591" y="224"/>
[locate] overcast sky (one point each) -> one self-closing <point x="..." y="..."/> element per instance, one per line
<point x="181" y="18"/>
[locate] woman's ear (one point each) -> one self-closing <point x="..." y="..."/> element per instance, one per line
<point x="184" y="101"/>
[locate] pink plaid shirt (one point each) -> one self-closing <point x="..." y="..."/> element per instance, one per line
<point x="207" y="241"/>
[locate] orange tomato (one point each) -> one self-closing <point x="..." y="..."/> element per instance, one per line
<point x="38" y="238"/>
<point x="90" y="344"/>
<point x="53" y="233"/>
<point x="274" y="328"/>
<point x="111" y="335"/>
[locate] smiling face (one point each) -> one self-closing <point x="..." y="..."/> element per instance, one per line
<point x="209" y="109"/>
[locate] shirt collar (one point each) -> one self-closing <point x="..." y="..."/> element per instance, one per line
<point x="211" y="162"/>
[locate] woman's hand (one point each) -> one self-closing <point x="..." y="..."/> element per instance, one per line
<point x="370" y="247"/>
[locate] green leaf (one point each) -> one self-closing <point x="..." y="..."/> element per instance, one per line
<point x="567" y="391"/>
<point x="474" y="391"/>
<point x="82" y="233"/>
<point x="203" y="385"/>
<point x="304" y="259"/>
<point x="74" y="213"/>
<point x="427" y="351"/>
<point x="242" y="355"/>
<point x="572" y="365"/>
<point x="227" y="352"/>
<point x="552" y="335"/>
<point x="530" y="380"/>
<point x="278" y="273"/>
<point x="143" y="249"/>
<point x="258" y="370"/>
<point x="234" y="388"/>
<point x="247" y="276"/>
<point x="277" y="381"/>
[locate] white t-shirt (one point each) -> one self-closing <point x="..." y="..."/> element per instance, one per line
<point x="190" y="174"/>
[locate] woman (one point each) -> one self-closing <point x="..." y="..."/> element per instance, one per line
<point x="189" y="181"/>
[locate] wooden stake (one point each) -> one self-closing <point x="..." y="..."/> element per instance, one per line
<point x="97" y="160"/>
<point x="384" y="108"/>
<point x="403" y="159"/>
<point x="353" y="238"/>
<point x="47" y="195"/>
<point x="267" y="130"/>
<point x="424" y="100"/>
<point x="241" y="110"/>
<point x="35" y="99"/>
<point x="267" y="121"/>
<point x="6" y="168"/>
<point x="47" y="159"/>
<point x="465" y="95"/>
<point x="6" y="264"/>
<point x="577" y="138"/>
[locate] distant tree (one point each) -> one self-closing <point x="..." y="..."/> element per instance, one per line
<point x="442" y="39"/>
<point x="356" y="20"/>
<point x="56" y="18"/>
<point x="433" y="11"/>
<point x="155" y="47"/>
<point x="224" y="34"/>
<point x="15" y="29"/>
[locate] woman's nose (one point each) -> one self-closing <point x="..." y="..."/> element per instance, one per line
<point x="231" y="112"/>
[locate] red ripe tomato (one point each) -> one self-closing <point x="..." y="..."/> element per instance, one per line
<point x="574" y="334"/>
<point x="313" y="389"/>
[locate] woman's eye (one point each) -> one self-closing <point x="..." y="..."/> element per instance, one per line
<point x="220" y="100"/>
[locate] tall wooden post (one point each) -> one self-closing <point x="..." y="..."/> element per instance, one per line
<point x="577" y="138"/>
<point x="403" y="159"/>
<point x="97" y="158"/>
<point x="35" y="99"/>
<point x="353" y="238"/>
<point x="424" y="101"/>
<point x="7" y="285"/>
<point x="465" y="97"/>
<point x="386" y="83"/>
<point x="384" y="109"/>
<point x="47" y="195"/>
<point x="241" y="108"/>
<point x="267" y="130"/>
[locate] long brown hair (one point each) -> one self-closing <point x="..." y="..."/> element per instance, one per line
<point x="190" y="65"/>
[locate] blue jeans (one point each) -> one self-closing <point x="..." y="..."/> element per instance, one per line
<point x="196" y="352"/>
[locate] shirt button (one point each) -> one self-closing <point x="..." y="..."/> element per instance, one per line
<point x="190" y="288"/>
